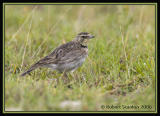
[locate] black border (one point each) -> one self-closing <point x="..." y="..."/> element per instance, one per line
<point x="84" y="3"/>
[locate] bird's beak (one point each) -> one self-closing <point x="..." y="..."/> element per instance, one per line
<point x="92" y="36"/>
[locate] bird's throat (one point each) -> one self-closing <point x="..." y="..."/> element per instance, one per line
<point x="84" y="46"/>
<point x="85" y="43"/>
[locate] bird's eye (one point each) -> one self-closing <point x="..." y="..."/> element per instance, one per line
<point x="84" y="36"/>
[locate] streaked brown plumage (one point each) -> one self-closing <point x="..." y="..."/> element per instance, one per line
<point x="66" y="57"/>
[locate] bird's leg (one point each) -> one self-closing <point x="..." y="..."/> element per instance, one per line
<point x="67" y="80"/>
<point x="74" y="76"/>
<point x="72" y="73"/>
<point x="65" y="77"/>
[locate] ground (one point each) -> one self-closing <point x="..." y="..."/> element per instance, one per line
<point x="118" y="75"/>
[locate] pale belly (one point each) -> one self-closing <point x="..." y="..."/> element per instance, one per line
<point x="70" y="66"/>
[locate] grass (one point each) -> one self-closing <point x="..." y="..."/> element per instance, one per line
<point x="119" y="71"/>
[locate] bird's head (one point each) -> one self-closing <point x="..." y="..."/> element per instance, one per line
<point x="83" y="37"/>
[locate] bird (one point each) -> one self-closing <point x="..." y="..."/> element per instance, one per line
<point x="66" y="57"/>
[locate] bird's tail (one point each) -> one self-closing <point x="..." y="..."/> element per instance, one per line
<point x="29" y="70"/>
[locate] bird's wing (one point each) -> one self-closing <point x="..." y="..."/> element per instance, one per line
<point x="72" y="56"/>
<point x="63" y="54"/>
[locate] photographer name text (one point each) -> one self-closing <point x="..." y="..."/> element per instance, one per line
<point x="126" y="107"/>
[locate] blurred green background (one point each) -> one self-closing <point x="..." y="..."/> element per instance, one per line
<point x="120" y="68"/>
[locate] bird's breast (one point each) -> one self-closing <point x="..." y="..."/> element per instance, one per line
<point x="85" y="50"/>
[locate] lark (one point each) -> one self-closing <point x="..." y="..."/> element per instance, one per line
<point x="67" y="57"/>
